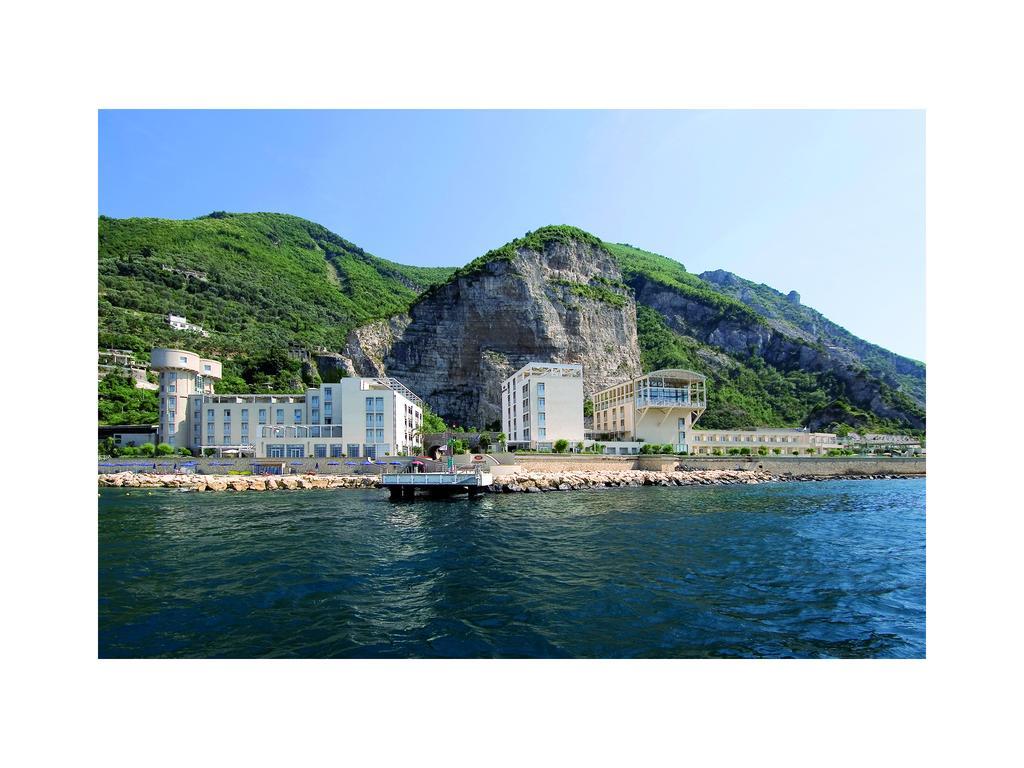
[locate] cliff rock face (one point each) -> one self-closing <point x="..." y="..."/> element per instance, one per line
<point x="739" y="338"/>
<point x="562" y="302"/>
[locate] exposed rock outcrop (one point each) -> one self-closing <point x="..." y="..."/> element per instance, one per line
<point x="563" y="302"/>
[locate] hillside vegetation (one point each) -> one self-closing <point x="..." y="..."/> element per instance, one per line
<point x="256" y="282"/>
<point x="261" y="283"/>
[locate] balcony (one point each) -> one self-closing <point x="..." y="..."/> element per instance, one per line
<point x="302" y="431"/>
<point x="668" y="398"/>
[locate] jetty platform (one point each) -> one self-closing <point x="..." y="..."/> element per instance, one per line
<point x="405" y="485"/>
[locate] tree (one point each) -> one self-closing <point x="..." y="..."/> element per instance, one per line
<point x="209" y="451"/>
<point x="502" y="439"/>
<point x="588" y="408"/>
<point x="120" y="402"/>
<point x="485" y="443"/>
<point x="579" y="447"/>
<point x="561" y="445"/>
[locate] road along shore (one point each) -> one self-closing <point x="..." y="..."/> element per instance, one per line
<point x="519" y="482"/>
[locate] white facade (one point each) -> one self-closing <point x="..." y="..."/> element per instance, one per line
<point x="356" y="417"/>
<point x="542" y="403"/>
<point x="659" y="408"/>
<point x="182" y="374"/>
<point x="783" y="442"/>
<point x="179" y="323"/>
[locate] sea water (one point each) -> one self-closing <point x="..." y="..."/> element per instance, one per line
<point x="816" y="569"/>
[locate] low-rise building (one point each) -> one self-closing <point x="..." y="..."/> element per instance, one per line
<point x="179" y="323"/>
<point x="367" y="417"/>
<point x="542" y="403"/>
<point x="777" y="441"/>
<point x="659" y="407"/>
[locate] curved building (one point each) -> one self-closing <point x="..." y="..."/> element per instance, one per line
<point x="182" y="373"/>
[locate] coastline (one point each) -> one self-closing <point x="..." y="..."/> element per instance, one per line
<point x="517" y="482"/>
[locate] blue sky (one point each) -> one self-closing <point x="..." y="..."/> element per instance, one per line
<point x="829" y="203"/>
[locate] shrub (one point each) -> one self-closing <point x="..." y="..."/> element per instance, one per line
<point x="561" y="445"/>
<point x="796" y="453"/>
<point x="762" y="451"/>
<point x="209" y="451"/>
<point x="184" y="452"/>
<point x="744" y="451"/>
<point x="776" y="451"/>
<point x="731" y="451"/>
<point x="579" y="447"/>
<point x="668" y="448"/>
<point x="130" y="450"/>
<point x="718" y="451"/>
<point x="147" y="449"/>
<point x="164" y="449"/>
<point x="808" y="450"/>
<point x="485" y="443"/>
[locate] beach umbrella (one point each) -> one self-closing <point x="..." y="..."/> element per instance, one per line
<point x="332" y="463"/>
<point x="367" y="463"/>
<point x="351" y="463"/>
<point x="396" y="463"/>
<point x="418" y="462"/>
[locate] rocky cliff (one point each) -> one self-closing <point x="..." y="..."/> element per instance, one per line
<point x="556" y="296"/>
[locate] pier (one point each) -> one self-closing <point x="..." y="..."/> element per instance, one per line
<point x="404" y="485"/>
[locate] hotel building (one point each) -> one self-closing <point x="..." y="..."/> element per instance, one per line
<point x="542" y="403"/>
<point x="367" y="416"/>
<point x="659" y="408"/>
<point x="784" y="442"/>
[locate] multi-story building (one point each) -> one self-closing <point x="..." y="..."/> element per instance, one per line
<point x="777" y="441"/>
<point x="542" y="403"/>
<point x="368" y="416"/>
<point x="182" y="374"/>
<point x="659" y="407"/>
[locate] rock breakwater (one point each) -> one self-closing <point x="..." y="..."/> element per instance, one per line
<point x="521" y="482"/>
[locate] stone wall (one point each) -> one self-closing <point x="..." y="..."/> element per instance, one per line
<point x="215" y="466"/>
<point x="830" y="466"/>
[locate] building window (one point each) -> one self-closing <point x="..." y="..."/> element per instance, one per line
<point x="275" y="451"/>
<point x="245" y="414"/>
<point x="314" y="401"/>
<point x="183" y="359"/>
<point x="279" y="416"/>
<point x="296" y="451"/>
<point x="540" y="403"/>
<point x="369" y="436"/>
<point x="327" y="395"/>
<point x="316" y="416"/>
<point x="263" y="415"/>
<point x="209" y="414"/>
<point x="379" y="402"/>
<point x="380" y="419"/>
<point x="380" y="435"/>
<point x="320" y="451"/>
<point x="353" y="450"/>
<point x="298" y="415"/>
<point x="540" y="389"/>
<point x="541" y="433"/>
<point x="336" y="451"/>
<point x="227" y="414"/>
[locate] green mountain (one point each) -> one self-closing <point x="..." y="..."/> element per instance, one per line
<point x="255" y="281"/>
<point x="263" y="283"/>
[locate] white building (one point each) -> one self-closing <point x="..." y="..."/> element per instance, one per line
<point x="179" y="323"/>
<point x="368" y="417"/>
<point x="785" y="442"/>
<point x="542" y="403"/>
<point x="659" y="408"/>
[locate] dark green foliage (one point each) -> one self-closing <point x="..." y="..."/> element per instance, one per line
<point x="906" y="374"/>
<point x="561" y="445"/>
<point x="485" y="443"/>
<point x="120" y="402"/>
<point x="644" y="265"/>
<point x="432" y="422"/>
<point x="164" y="449"/>
<point x="597" y="292"/>
<point x="147" y="449"/>
<point x="255" y="281"/>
